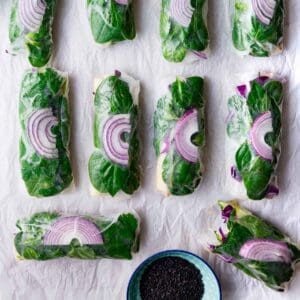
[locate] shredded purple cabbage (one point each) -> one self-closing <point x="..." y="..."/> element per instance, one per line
<point x="273" y="191"/>
<point x="262" y="79"/>
<point x="226" y="212"/>
<point x="227" y="258"/>
<point x="223" y="236"/>
<point x="235" y="174"/>
<point x="212" y="247"/>
<point x="200" y="54"/>
<point x="118" y="73"/>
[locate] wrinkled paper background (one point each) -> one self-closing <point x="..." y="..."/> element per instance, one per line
<point x="166" y="223"/>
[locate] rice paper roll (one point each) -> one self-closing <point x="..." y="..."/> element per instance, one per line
<point x="31" y="28"/>
<point x="255" y="247"/>
<point x="50" y="235"/>
<point x="45" y="123"/>
<point x="111" y="21"/>
<point x="254" y="131"/>
<point x="114" y="165"/>
<point x="257" y="26"/>
<point x="183" y="29"/>
<point x="179" y="137"/>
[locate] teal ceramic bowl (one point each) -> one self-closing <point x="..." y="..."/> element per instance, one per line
<point x="212" y="289"/>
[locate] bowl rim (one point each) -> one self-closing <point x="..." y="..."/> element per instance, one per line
<point x="142" y="264"/>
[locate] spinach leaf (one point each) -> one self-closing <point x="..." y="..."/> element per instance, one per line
<point x="236" y="237"/>
<point x="112" y="178"/>
<point x="274" y="90"/>
<point x="256" y="172"/>
<point x="259" y="228"/>
<point x="273" y="274"/>
<point x="257" y="178"/>
<point x="177" y="39"/>
<point x="243" y="158"/>
<point x="187" y="94"/>
<point x="181" y="176"/>
<point x="120" y="239"/>
<point x="110" y="21"/>
<point x="113" y="97"/>
<point x="39" y="43"/>
<point x="45" y="89"/>
<point x="258" y="100"/>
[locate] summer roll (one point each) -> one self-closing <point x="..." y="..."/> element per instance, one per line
<point x="49" y="235"/>
<point x="255" y="247"/>
<point x="257" y="26"/>
<point x="111" y="21"/>
<point x="254" y="131"/>
<point x="114" y="165"/>
<point x="31" y="28"/>
<point x="179" y="136"/>
<point x="45" y="123"/>
<point x="183" y="29"/>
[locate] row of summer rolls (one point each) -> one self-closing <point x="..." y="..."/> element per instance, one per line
<point x="242" y="239"/>
<point x="257" y="26"/>
<point x="253" y="130"/>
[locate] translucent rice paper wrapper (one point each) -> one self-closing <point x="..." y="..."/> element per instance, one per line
<point x="253" y="135"/>
<point x="172" y="18"/>
<point x="179" y="135"/>
<point x="111" y="21"/>
<point x="45" y="123"/>
<point x="52" y="235"/>
<point x="257" y="26"/>
<point x="114" y="165"/>
<point x="30" y="29"/>
<point x="252" y="245"/>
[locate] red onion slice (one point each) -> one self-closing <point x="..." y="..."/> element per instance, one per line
<point x="264" y="10"/>
<point x="181" y="11"/>
<point x="266" y="250"/>
<point x="122" y="2"/>
<point x="113" y="130"/>
<point x="243" y="90"/>
<point x="235" y="174"/>
<point x="65" y="229"/>
<point x="185" y="127"/>
<point x="39" y="131"/>
<point x="262" y="125"/>
<point x="31" y="13"/>
<point x="262" y="80"/>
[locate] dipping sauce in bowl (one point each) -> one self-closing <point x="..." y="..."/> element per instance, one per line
<point x="174" y="274"/>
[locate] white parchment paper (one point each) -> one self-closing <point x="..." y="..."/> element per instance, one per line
<point x="166" y="223"/>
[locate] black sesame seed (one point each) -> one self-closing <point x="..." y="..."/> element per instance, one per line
<point x="171" y="278"/>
